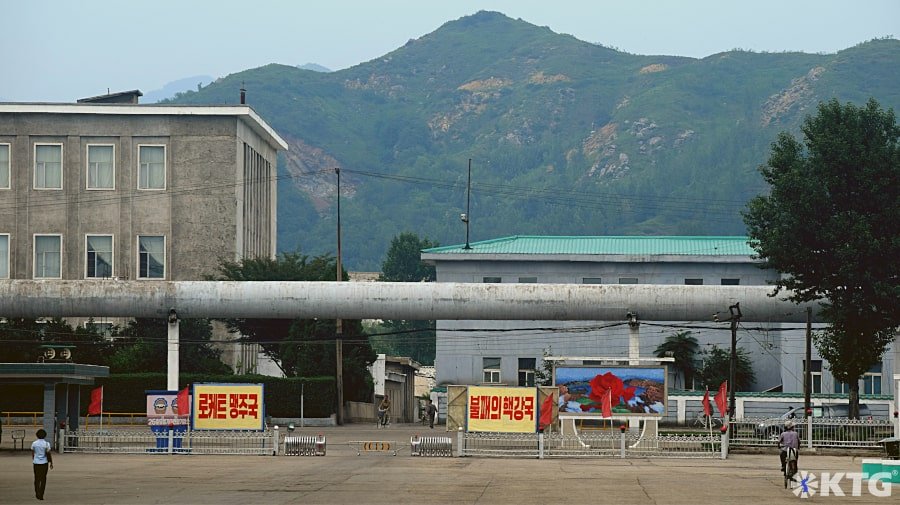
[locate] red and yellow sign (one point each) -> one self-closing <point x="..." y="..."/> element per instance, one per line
<point x="502" y="409"/>
<point x="228" y="407"/>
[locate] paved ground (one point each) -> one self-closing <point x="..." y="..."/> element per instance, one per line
<point x="342" y="477"/>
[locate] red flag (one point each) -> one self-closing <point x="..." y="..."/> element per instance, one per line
<point x="96" y="406"/>
<point x="606" y="403"/>
<point x="707" y="409"/>
<point x="184" y="402"/>
<point x="720" y="398"/>
<point x="546" y="412"/>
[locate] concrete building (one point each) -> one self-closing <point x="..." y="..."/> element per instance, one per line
<point x="109" y="189"/>
<point x="395" y="376"/>
<point x="510" y="352"/>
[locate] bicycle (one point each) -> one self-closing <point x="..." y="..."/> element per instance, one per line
<point x="707" y="422"/>
<point x="790" y="467"/>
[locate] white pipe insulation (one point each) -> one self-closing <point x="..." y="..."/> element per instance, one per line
<point x="394" y="300"/>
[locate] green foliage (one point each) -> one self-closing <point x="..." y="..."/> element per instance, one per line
<point x="141" y="347"/>
<point x="717" y="367"/>
<point x="830" y="223"/>
<point x="403" y="263"/>
<point x="683" y="347"/>
<point x="126" y="393"/>
<point x="304" y="347"/>
<point x="414" y="339"/>
<point x="21" y="341"/>
<point x="531" y="108"/>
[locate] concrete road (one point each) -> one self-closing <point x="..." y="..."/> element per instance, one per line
<point x="342" y="477"/>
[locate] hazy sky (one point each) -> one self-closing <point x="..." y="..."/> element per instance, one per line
<point x="61" y="50"/>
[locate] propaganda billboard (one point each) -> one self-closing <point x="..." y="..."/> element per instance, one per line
<point x="502" y="409"/>
<point x="162" y="409"/>
<point x="635" y="390"/>
<point x="228" y="407"/>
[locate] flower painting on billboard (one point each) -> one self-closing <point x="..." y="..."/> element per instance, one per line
<point x="635" y="390"/>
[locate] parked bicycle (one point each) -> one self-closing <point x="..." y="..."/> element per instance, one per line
<point x="707" y="422"/>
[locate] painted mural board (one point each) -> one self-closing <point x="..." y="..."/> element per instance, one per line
<point x="636" y="390"/>
<point x="502" y="409"/>
<point x="162" y="409"/>
<point x="228" y="407"/>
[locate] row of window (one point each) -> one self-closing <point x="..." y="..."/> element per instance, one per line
<point x="100" y="163"/>
<point x="871" y="380"/>
<point x="99" y="256"/>
<point x="622" y="280"/>
<point x="491" y="370"/>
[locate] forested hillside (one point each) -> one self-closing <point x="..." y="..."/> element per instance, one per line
<point x="566" y="137"/>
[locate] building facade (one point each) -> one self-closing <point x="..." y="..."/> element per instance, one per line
<point x="110" y="189"/>
<point x="511" y="352"/>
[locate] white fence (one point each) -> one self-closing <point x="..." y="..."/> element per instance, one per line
<point x="603" y="444"/>
<point x="825" y="432"/>
<point x="170" y="442"/>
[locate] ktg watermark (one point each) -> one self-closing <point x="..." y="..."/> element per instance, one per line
<point x="829" y="484"/>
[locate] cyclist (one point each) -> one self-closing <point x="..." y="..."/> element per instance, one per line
<point x="789" y="439"/>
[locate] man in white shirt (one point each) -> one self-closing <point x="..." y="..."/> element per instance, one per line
<point x="43" y="461"/>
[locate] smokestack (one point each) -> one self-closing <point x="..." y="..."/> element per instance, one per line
<point x="243" y="94"/>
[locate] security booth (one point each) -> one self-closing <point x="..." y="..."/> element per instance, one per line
<point x="62" y="382"/>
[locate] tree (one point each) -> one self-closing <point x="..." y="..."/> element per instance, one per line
<point x="403" y="260"/>
<point x="403" y="263"/>
<point x="717" y="368"/>
<point x="141" y="347"/>
<point x="683" y="347"/>
<point x="21" y="341"/>
<point x="830" y="224"/>
<point x="303" y="347"/>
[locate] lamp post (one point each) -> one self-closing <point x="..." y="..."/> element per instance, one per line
<point x="338" y="327"/>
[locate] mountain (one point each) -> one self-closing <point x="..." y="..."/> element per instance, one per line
<point x="566" y="137"/>
<point x="173" y="88"/>
<point x="315" y="67"/>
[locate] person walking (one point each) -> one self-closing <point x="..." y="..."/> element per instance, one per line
<point x="430" y="413"/>
<point x="43" y="461"/>
<point x="384" y="412"/>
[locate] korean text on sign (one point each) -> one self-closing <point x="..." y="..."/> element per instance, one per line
<point x="502" y="407"/>
<point x="228" y="405"/>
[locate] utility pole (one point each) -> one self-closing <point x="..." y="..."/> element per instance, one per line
<point x="465" y="217"/>
<point x="807" y="373"/>
<point x="732" y="373"/>
<point x="338" y="326"/>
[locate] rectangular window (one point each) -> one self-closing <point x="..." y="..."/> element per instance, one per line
<point x="48" y="166"/>
<point x="48" y="256"/>
<point x="527" y="280"/>
<point x="628" y="280"/>
<point x="4" y="256"/>
<point x="841" y="387"/>
<point x="526" y="371"/>
<point x="104" y="329"/>
<point x="99" y="255"/>
<point x="151" y="257"/>
<point x="491" y="370"/>
<point x="693" y="282"/>
<point x="4" y="166"/>
<point x="495" y="280"/>
<point x="872" y="381"/>
<point x="815" y="375"/>
<point x="101" y="167"/>
<point x="152" y="167"/>
<point x="731" y="282"/>
<point x="591" y="280"/>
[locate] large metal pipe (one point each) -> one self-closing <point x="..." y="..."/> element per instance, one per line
<point x="393" y="300"/>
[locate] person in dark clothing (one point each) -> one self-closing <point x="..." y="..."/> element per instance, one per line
<point x="430" y="413"/>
